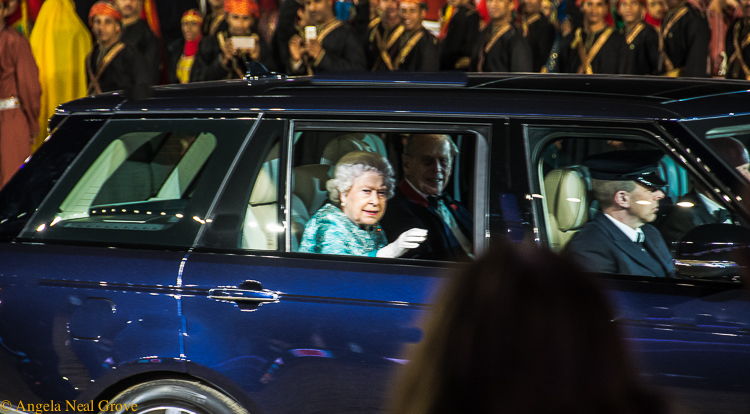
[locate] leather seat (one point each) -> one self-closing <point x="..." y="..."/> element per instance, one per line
<point x="566" y="197"/>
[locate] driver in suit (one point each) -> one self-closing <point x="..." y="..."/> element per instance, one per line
<point x="620" y="239"/>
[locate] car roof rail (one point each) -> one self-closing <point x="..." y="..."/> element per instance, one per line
<point x="258" y="71"/>
<point x="396" y="79"/>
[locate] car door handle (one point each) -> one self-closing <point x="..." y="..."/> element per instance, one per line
<point x="249" y="292"/>
<point x="242" y="295"/>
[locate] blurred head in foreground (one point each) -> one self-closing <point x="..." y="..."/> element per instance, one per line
<point x="521" y="330"/>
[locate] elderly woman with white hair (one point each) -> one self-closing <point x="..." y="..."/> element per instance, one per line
<point x="362" y="184"/>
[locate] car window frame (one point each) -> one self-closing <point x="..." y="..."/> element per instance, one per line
<point x="662" y="133"/>
<point x="482" y="130"/>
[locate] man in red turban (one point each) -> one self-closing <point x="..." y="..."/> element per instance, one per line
<point x="114" y="65"/>
<point x="226" y="54"/>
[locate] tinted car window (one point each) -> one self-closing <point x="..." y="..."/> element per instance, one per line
<point x="42" y="171"/>
<point x="566" y="189"/>
<point x="315" y="153"/>
<point x="144" y="182"/>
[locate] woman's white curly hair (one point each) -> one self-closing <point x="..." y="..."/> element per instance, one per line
<point x="354" y="164"/>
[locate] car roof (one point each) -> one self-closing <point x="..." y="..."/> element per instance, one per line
<point x="447" y="93"/>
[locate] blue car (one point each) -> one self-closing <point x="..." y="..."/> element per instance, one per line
<point x="149" y="249"/>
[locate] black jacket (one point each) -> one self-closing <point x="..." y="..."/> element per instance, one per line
<point x="145" y="41"/>
<point x="686" y="42"/>
<point x="644" y="51"/>
<point x="208" y="63"/>
<point x="602" y="247"/>
<point x="423" y="57"/>
<point x="541" y="36"/>
<point x="126" y="72"/>
<point x="510" y="53"/>
<point x="404" y="213"/>
<point x="462" y="35"/>
<point x="612" y="58"/>
<point x="734" y="67"/>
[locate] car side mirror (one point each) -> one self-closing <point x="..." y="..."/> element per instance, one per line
<point x="713" y="251"/>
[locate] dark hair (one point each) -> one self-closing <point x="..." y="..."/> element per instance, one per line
<point x="730" y="150"/>
<point x="521" y="330"/>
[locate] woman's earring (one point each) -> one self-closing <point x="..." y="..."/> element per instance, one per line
<point x="343" y="204"/>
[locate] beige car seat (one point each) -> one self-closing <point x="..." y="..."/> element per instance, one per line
<point x="566" y="196"/>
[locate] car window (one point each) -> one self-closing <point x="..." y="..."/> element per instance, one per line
<point x="145" y="182"/>
<point x="43" y="170"/>
<point x="313" y="157"/>
<point x="279" y="183"/>
<point x="569" y="201"/>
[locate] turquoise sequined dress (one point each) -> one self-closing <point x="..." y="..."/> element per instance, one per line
<point x="330" y="231"/>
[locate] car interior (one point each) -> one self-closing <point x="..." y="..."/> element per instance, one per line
<point x="566" y="184"/>
<point x="314" y="156"/>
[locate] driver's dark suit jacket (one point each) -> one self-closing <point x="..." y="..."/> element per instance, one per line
<point x="602" y="247"/>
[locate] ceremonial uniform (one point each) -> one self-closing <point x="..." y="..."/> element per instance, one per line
<point x="180" y="60"/>
<point x="19" y="101"/>
<point x="684" y="42"/>
<point x="540" y="34"/>
<point x="738" y="50"/>
<point x="382" y="45"/>
<point x="209" y="63"/>
<point x="181" y="53"/>
<point x="120" y="67"/>
<point x="602" y="52"/>
<point x="286" y="28"/>
<point x="146" y="43"/>
<point x="502" y="49"/>
<point x="342" y="50"/>
<point x="643" y="48"/>
<point x="215" y="23"/>
<point x="418" y="52"/>
<point x="460" y="37"/>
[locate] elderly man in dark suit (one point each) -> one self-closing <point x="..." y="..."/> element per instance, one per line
<point x="421" y="202"/>
<point x="619" y="239"/>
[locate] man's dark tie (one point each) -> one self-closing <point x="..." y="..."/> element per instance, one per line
<point x="433" y="201"/>
<point x="641" y="238"/>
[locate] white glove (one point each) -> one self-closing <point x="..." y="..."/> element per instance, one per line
<point x="409" y="239"/>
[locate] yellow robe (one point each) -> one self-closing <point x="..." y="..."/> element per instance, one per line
<point x="60" y="43"/>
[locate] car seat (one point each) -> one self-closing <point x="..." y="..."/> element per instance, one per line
<point x="566" y="201"/>
<point x="261" y="228"/>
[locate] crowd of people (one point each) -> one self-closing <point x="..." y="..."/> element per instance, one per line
<point x="131" y="45"/>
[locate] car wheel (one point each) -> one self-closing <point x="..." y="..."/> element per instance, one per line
<point x="171" y="397"/>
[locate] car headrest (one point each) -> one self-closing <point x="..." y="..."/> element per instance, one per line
<point x="344" y="144"/>
<point x="567" y="196"/>
<point x="264" y="191"/>
<point x="310" y="185"/>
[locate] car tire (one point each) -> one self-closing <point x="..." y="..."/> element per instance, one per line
<point x="171" y="397"/>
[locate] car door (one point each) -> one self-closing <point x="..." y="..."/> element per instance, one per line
<point x="95" y="272"/>
<point x="690" y="335"/>
<point x="300" y="332"/>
